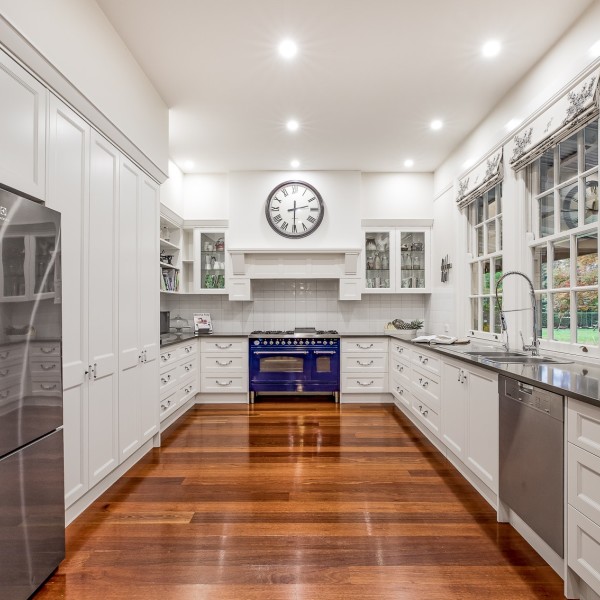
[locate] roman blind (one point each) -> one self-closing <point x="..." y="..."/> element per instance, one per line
<point x="570" y="112"/>
<point x="484" y="176"/>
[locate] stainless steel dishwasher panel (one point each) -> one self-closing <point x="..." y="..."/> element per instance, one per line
<point x="531" y="458"/>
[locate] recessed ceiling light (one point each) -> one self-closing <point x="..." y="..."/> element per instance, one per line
<point x="436" y="124"/>
<point x="513" y="124"/>
<point x="295" y="164"/>
<point x="292" y="125"/>
<point x="595" y="50"/>
<point x="288" y="49"/>
<point x="188" y="164"/>
<point x="409" y="162"/>
<point x="491" y="48"/>
<point x="468" y="163"/>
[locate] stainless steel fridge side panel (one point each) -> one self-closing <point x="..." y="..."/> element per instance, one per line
<point x="32" y="519"/>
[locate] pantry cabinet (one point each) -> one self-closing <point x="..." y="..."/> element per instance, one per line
<point x="397" y="260"/>
<point x="22" y="129"/>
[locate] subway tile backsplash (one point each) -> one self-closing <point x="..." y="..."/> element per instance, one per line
<point x="285" y="304"/>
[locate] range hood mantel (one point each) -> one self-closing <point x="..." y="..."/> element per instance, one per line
<point x="270" y="263"/>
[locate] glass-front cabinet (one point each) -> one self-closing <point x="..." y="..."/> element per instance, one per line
<point x="211" y="266"/>
<point x="396" y="260"/>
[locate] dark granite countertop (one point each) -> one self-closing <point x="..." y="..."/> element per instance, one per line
<point x="184" y="337"/>
<point x="574" y="379"/>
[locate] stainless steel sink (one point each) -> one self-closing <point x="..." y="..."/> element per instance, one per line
<point x="516" y="358"/>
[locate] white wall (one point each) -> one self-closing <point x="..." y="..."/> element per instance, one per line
<point x="172" y="190"/>
<point x="76" y="37"/>
<point x="565" y="61"/>
<point x="397" y="196"/>
<point x="206" y="197"/>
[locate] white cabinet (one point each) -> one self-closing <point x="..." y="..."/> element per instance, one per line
<point x="470" y="418"/>
<point x="224" y="365"/>
<point x="171" y="237"/>
<point x="397" y="260"/>
<point x="426" y="388"/>
<point x="138" y="335"/>
<point x="210" y="266"/>
<point x="364" y="365"/>
<point x="22" y="129"/>
<point x="583" y="491"/>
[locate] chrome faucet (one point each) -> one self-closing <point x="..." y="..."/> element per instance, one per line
<point x="535" y="343"/>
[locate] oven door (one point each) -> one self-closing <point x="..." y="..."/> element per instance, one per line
<point x="278" y="370"/>
<point x="325" y="369"/>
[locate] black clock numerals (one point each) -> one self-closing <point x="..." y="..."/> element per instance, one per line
<point x="285" y="192"/>
<point x="311" y="219"/>
<point x="284" y="226"/>
<point x="275" y="208"/>
<point x="295" y="189"/>
<point x="304" y="227"/>
<point x="315" y="208"/>
<point x="277" y="218"/>
<point x="312" y="199"/>
<point x="294" y="228"/>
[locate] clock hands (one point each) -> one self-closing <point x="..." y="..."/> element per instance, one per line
<point x="296" y="207"/>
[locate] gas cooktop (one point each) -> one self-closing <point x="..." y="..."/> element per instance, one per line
<point x="299" y="332"/>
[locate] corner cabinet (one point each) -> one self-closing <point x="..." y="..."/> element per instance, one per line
<point x="170" y="256"/>
<point x="397" y="260"/>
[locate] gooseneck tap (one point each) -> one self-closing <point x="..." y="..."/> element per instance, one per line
<point x="535" y="344"/>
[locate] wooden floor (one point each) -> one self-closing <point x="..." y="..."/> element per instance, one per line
<point x="296" y="501"/>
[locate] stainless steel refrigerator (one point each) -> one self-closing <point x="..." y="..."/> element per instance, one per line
<point x="32" y="514"/>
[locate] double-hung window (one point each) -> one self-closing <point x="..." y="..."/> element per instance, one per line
<point x="484" y="216"/>
<point x="563" y="185"/>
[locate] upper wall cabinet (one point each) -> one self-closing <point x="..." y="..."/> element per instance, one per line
<point x="211" y="264"/>
<point x="22" y="130"/>
<point x="397" y="260"/>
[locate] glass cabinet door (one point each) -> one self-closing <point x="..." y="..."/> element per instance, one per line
<point x="14" y="267"/>
<point x="212" y="260"/>
<point x="378" y="259"/>
<point x="43" y="269"/>
<point x="413" y="260"/>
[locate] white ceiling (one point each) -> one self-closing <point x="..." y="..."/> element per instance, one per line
<point x="369" y="77"/>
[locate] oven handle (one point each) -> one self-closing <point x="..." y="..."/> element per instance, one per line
<point x="279" y="353"/>
<point x="324" y="352"/>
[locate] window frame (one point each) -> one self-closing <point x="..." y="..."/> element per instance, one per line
<point x="571" y="235"/>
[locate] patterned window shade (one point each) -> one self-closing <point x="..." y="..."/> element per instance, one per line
<point x="488" y="173"/>
<point x="569" y="113"/>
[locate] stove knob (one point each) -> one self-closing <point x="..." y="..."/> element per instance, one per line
<point x="289" y="342"/>
<point x="313" y="341"/>
<point x="271" y="342"/>
<point x="264" y="342"/>
<point x="295" y="341"/>
<point x="301" y="342"/>
<point x="277" y="342"/>
<point x="256" y="342"/>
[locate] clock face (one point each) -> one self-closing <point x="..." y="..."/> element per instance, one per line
<point x="294" y="209"/>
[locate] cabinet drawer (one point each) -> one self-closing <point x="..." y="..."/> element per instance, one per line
<point x="583" y="547"/>
<point x="401" y="371"/>
<point x="374" y="383"/>
<point x="11" y="355"/>
<point x="361" y="363"/>
<point x="364" y="345"/>
<point x="425" y="361"/>
<point x="168" y="404"/>
<point x="400" y="352"/>
<point x="46" y="369"/>
<point x="232" y="345"/>
<point x="186" y="350"/>
<point x="7" y="372"/>
<point x="187" y="391"/>
<point x="10" y="390"/>
<point x="584" y="482"/>
<point x="45" y="388"/>
<point x="44" y="349"/>
<point x="187" y="368"/>
<point x="400" y="391"/>
<point x="426" y="415"/>
<point x="224" y="384"/>
<point x="168" y="357"/>
<point x="168" y="379"/>
<point x="219" y="363"/>
<point x="583" y="425"/>
<point x="427" y="387"/>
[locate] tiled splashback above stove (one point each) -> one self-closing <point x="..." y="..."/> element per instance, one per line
<point x="285" y="304"/>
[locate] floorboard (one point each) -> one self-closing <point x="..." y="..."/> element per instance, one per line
<point x="295" y="500"/>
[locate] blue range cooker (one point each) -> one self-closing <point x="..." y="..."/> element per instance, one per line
<point x="303" y="361"/>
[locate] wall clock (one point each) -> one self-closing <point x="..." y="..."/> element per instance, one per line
<point x="294" y="209"/>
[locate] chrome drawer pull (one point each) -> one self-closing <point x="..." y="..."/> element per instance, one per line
<point x="4" y="373"/>
<point x="400" y="368"/>
<point x="48" y="387"/>
<point x="400" y="390"/>
<point x="223" y="364"/>
<point x="4" y="355"/>
<point x="48" y="367"/>
<point x="423" y="383"/>
<point x="187" y="367"/>
<point x="365" y="364"/>
<point x="425" y="413"/>
<point x="223" y="346"/>
<point x="365" y="384"/>
<point x="364" y="347"/>
<point x="165" y="357"/>
<point x="47" y="350"/>
<point x="223" y="384"/>
<point x="168" y="378"/>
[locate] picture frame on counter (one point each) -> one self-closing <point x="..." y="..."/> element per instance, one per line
<point x="202" y="323"/>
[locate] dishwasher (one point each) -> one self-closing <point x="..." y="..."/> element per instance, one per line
<point x="531" y="458"/>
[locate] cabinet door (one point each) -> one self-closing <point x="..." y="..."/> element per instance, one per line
<point x="482" y="427"/>
<point x="149" y="307"/>
<point x="14" y="269"/>
<point x="22" y="129"/>
<point x="454" y="404"/>
<point x="212" y="257"/>
<point x="129" y="305"/>
<point x="379" y="261"/>
<point x="103" y="347"/>
<point x="414" y="267"/>
<point x="68" y="189"/>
